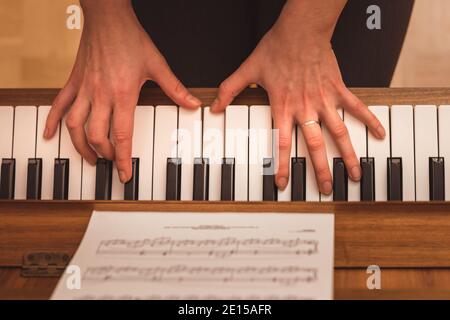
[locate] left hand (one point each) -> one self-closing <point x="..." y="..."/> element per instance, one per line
<point x="303" y="82"/>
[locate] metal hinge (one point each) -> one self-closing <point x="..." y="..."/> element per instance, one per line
<point x="44" y="264"/>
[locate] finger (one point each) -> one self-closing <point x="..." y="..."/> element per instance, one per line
<point x="283" y="123"/>
<point x="360" y="111"/>
<point x="339" y="132"/>
<point x="62" y="102"/>
<point x="170" y="84"/>
<point x="98" y="131"/>
<point x="316" y="148"/>
<point x="75" y="122"/>
<point x="122" y="132"/>
<point x="231" y="87"/>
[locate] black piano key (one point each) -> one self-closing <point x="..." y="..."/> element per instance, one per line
<point x="61" y="179"/>
<point x="173" y="179"/>
<point x="131" y="188"/>
<point x="298" y="179"/>
<point x="367" y="179"/>
<point x="395" y="179"/>
<point x="437" y="179"/>
<point x="227" y="180"/>
<point x="201" y="179"/>
<point x="103" y="179"/>
<point x="34" y="179"/>
<point x="340" y="180"/>
<point x="270" y="190"/>
<point x="8" y="177"/>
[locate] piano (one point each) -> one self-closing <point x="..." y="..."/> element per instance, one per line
<point x="396" y="217"/>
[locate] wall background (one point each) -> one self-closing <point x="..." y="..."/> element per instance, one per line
<point x="37" y="50"/>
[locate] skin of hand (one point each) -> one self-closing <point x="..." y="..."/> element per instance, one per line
<point x="115" y="58"/>
<point x="294" y="62"/>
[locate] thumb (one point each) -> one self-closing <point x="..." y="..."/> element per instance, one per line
<point x="174" y="89"/>
<point x="231" y="87"/>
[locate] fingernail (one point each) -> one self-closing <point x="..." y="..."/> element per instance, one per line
<point x="194" y="100"/>
<point x="282" y="182"/>
<point x="92" y="161"/>
<point x="46" y="133"/>
<point x="122" y="176"/>
<point x="356" y="173"/>
<point x="381" y="132"/>
<point x="326" y="187"/>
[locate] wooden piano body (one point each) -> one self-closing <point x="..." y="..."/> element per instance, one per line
<point x="410" y="242"/>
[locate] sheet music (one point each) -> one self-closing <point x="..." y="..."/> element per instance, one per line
<point x="146" y="255"/>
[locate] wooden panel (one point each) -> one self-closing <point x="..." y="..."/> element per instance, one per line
<point x="389" y="235"/>
<point x="154" y="96"/>
<point x="348" y="284"/>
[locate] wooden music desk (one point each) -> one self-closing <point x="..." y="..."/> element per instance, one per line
<point x="410" y="242"/>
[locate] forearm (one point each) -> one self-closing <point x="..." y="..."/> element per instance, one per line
<point x="309" y="20"/>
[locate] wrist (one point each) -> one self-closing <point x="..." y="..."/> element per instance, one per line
<point x="309" y="21"/>
<point x="102" y="11"/>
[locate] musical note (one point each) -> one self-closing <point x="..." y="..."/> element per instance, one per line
<point x="213" y="248"/>
<point x="285" y="275"/>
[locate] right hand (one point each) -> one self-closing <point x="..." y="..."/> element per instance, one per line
<point x="115" y="58"/>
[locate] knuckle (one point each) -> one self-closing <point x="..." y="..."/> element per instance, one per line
<point x="95" y="138"/>
<point x="322" y="173"/>
<point x="121" y="162"/>
<point x="340" y="131"/>
<point x="179" y="88"/>
<point x="121" y="136"/>
<point x="359" y="107"/>
<point x="72" y="122"/>
<point x="315" y="143"/>
<point x="121" y="93"/>
<point x="283" y="169"/>
<point x="284" y="143"/>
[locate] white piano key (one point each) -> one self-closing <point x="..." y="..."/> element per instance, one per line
<point x="88" y="181"/>
<point x="24" y="146"/>
<point x="357" y="132"/>
<point x="6" y="132"/>
<point x="68" y="151"/>
<point x="402" y="139"/>
<point x="117" y="187"/>
<point x="444" y="144"/>
<point x="332" y="152"/>
<point x="312" y="190"/>
<point x="380" y="150"/>
<point x="426" y="146"/>
<point x="285" y="195"/>
<point x="48" y="151"/>
<point x="213" y="147"/>
<point x="236" y="146"/>
<point x="189" y="147"/>
<point x="142" y="148"/>
<point x="165" y="146"/>
<point x="260" y="147"/>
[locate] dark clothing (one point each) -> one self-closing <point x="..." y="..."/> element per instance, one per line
<point x="204" y="41"/>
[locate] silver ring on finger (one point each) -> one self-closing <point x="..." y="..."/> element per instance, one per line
<point x="309" y="123"/>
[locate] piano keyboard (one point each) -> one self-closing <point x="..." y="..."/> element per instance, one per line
<point x="188" y="155"/>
